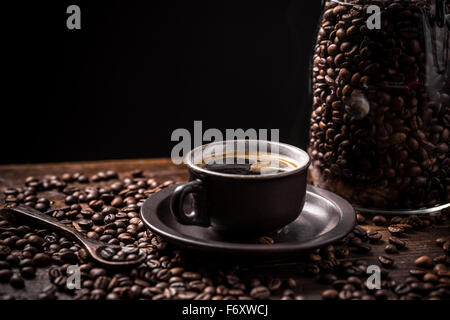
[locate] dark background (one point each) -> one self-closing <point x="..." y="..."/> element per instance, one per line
<point x="137" y="70"/>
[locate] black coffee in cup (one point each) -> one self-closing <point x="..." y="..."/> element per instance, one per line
<point x="250" y="164"/>
<point x="243" y="188"/>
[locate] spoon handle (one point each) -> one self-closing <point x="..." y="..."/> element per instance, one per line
<point x="48" y="221"/>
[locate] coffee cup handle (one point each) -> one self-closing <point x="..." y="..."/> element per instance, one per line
<point x="176" y="204"/>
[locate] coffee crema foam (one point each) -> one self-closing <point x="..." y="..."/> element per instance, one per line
<point x="249" y="164"/>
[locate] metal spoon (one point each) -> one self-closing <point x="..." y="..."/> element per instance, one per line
<point x="93" y="247"/>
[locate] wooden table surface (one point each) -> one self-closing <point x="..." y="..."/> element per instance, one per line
<point x="418" y="243"/>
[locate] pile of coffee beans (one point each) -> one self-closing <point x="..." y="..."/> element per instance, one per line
<point x="380" y="122"/>
<point x="429" y="278"/>
<point x="107" y="210"/>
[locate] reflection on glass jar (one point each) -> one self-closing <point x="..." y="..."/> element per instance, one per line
<point x="380" y="121"/>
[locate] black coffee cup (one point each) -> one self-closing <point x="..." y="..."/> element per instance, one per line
<point x="242" y="204"/>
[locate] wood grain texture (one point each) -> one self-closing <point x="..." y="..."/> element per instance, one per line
<point x="418" y="242"/>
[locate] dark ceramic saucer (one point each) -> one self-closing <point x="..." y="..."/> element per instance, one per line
<point x="325" y="218"/>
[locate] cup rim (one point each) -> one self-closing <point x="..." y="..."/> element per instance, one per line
<point x="195" y="168"/>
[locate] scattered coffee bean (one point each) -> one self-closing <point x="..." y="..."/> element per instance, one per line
<point x="379" y="220"/>
<point x="17" y="281"/>
<point x="397" y="242"/>
<point x="424" y="262"/>
<point x="374" y="236"/>
<point x="260" y="292"/>
<point x="395" y="230"/>
<point x="85" y="223"/>
<point x="330" y="294"/>
<point x="41" y="259"/>
<point x="430" y="277"/>
<point x="417" y="272"/>
<point x="386" y="261"/>
<point x="446" y="247"/>
<point x="360" y="218"/>
<point x="440" y="241"/>
<point x="390" y="248"/>
<point x="5" y="275"/>
<point x="28" y="272"/>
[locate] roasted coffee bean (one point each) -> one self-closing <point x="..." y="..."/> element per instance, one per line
<point x="374" y="236"/>
<point x="25" y="262"/>
<point x="102" y="282"/>
<point x="390" y="248"/>
<point x="17" y="281"/>
<point x="274" y="284"/>
<point x="260" y="292"/>
<point x="5" y="275"/>
<point x="176" y="271"/>
<point x="35" y="240"/>
<point x="440" y="241"/>
<point x="21" y="243"/>
<point x="28" y="272"/>
<point x="417" y="272"/>
<point x="71" y="200"/>
<point x="356" y="242"/>
<point x="107" y="197"/>
<point x="379" y="220"/>
<point x="12" y="260"/>
<point x="97" y="272"/>
<point x="67" y="177"/>
<point x="108" y="210"/>
<point x="4" y="251"/>
<point x="402" y="289"/>
<point x="97" y="219"/>
<point x="386" y="261"/>
<point x="41" y="206"/>
<point x="397" y="242"/>
<point x="191" y="275"/>
<point x="54" y="272"/>
<point x="117" y="202"/>
<point x="109" y="218"/>
<point x="96" y="204"/>
<point x="68" y="256"/>
<point x="85" y="224"/>
<point x="72" y="214"/>
<point x="395" y="230"/>
<point x="446" y="247"/>
<point x="430" y="277"/>
<point x="112" y="296"/>
<point x="87" y="213"/>
<point x="360" y="218"/>
<point x="442" y="259"/>
<point x="424" y="262"/>
<point x="4" y="265"/>
<point x="107" y="253"/>
<point x="41" y="259"/>
<point x="330" y="294"/>
<point x="359" y="232"/>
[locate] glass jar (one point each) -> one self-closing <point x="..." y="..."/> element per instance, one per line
<point x="380" y="121"/>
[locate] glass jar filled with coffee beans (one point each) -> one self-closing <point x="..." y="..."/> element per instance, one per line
<point x="380" y="120"/>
